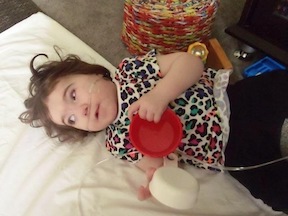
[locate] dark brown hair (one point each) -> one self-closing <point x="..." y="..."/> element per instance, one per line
<point x="42" y="83"/>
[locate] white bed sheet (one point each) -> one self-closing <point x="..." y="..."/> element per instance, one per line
<point x="39" y="176"/>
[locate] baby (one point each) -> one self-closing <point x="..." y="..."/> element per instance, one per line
<point x="71" y="98"/>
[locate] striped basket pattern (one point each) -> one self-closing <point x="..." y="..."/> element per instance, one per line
<point x="166" y="25"/>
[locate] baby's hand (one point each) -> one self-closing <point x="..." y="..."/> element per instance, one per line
<point x="143" y="191"/>
<point x="149" y="107"/>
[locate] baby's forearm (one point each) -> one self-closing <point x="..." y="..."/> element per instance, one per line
<point x="179" y="71"/>
<point x="148" y="162"/>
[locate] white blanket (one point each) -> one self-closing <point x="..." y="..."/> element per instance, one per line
<point x="39" y="176"/>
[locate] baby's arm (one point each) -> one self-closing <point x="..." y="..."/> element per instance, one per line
<point x="180" y="71"/>
<point x="148" y="162"/>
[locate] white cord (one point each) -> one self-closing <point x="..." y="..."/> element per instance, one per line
<point x="81" y="211"/>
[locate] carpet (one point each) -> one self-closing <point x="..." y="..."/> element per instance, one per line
<point x="13" y="11"/>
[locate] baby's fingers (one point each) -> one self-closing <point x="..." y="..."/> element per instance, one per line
<point x="142" y="112"/>
<point x="133" y="109"/>
<point x="157" y="118"/>
<point x="149" y="116"/>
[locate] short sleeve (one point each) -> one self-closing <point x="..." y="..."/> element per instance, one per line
<point x="221" y="82"/>
<point x="139" y="68"/>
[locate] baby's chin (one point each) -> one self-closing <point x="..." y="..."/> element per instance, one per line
<point x="103" y="126"/>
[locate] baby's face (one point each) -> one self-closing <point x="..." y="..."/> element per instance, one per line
<point x="86" y="102"/>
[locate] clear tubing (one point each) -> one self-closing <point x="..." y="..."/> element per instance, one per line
<point x="240" y="168"/>
<point x="91" y="90"/>
<point x="223" y="168"/>
<point x="92" y="85"/>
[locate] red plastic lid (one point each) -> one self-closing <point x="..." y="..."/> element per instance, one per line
<point x="156" y="139"/>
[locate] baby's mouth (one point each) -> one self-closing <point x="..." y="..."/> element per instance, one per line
<point x="97" y="112"/>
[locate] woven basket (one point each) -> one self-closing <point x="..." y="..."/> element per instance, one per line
<point x="166" y="25"/>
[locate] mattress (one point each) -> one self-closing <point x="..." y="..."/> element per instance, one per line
<point x="40" y="176"/>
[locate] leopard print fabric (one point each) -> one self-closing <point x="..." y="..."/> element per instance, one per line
<point x="203" y="111"/>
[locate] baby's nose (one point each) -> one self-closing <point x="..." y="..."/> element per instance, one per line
<point x="79" y="110"/>
<point x="85" y="110"/>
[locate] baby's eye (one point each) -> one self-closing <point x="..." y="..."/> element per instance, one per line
<point x="71" y="120"/>
<point x="73" y="95"/>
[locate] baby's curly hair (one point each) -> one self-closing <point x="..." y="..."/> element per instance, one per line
<point x="42" y="83"/>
